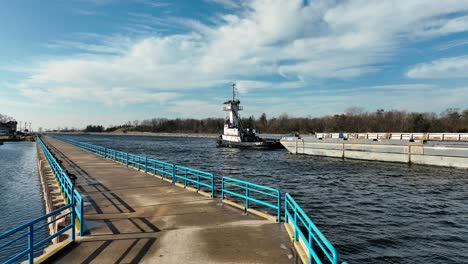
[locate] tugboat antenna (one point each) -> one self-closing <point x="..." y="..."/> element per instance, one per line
<point x="233" y="91"/>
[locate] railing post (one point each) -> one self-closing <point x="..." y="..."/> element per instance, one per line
<point x="295" y="224"/>
<point x="31" y="244"/>
<point x="146" y="164"/>
<point x="73" y="215"/>
<point x="105" y="153"/>
<point x="285" y="209"/>
<point x="126" y="159"/>
<point x="185" y="177"/>
<point x="212" y="187"/>
<point x="198" y="182"/>
<point x="174" y="174"/>
<point x="279" y="207"/>
<point x="246" y="196"/>
<point x="222" y="189"/>
<point x="81" y="218"/>
<point x="138" y="162"/>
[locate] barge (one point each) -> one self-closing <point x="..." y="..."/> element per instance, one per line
<point x="390" y="150"/>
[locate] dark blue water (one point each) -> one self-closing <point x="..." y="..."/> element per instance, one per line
<point x="20" y="192"/>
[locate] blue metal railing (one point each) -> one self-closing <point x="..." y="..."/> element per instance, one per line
<point x="72" y="196"/>
<point x="251" y="192"/>
<point x="198" y="179"/>
<point x="166" y="170"/>
<point x="27" y="231"/>
<point x="319" y="249"/>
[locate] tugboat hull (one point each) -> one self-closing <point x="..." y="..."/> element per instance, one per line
<point x="250" y="145"/>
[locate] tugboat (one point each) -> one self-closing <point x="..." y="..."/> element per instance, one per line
<point x="235" y="135"/>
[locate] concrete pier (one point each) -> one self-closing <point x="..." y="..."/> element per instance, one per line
<point x="429" y="153"/>
<point x="133" y="217"/>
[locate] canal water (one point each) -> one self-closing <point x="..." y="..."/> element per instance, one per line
<point x="373" y="212"/>
<point x="20" y="192"/>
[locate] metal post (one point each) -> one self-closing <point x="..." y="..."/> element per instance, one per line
<point x="126" y="159"/>
<point x="246" y="196"/>
<point x="146" y="164"/>
<point x="185" y="177"/>
<point x="81" y="218"/>
<point x="31" y="244"/>
<point x="105" y="153"/>
<point x="198" y="182"/>
<point x="174" y="174"/>
<point x="295" y="224"/>
<point x="285" y="210"/>
<point x="212" y="187"/>
<point x="222" y="189"/>
<point x="279" y="207"/>
<point x="73" y="215"/>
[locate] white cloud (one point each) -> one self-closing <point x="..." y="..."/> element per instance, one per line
<point x="286" y="40"/>
<point x="195" y="109"/>
<point x="446" y="68"/>
<point x="452" y="44"/>
<point x="442" y="27"/>
<point x="245" y="86"/>
<point x="405" y="86"/>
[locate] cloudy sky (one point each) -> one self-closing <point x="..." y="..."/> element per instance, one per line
<point x="79" y="62"/>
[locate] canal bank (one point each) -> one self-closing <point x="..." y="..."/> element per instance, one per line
<point x="404" y="151"/>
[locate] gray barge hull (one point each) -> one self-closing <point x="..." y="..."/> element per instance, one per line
<point x="432" y="153"/>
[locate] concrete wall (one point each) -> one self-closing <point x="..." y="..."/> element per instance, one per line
<point x="398" y="136"/>
<point x="454" y="155"/>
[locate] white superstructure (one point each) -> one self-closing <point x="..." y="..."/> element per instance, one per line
<point x="232" y="130"/>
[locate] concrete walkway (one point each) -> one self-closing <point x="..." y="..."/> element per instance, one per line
<point x="133" y="217"/>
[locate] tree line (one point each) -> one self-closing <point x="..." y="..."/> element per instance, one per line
<point x="6" y="118"/>
<point x="354" y="120"/>
<point x="93" y="128"/>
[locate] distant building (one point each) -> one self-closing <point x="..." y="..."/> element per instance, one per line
<point x="8" y="128"/>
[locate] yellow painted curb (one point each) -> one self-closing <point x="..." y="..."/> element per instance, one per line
<point x="301" y="250"/>
<point x="46" y="256"/>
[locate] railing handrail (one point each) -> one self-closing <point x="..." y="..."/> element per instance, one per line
<point x="313" y="232"/>
<point x="247" y="186"/>
<point x="16" y="229"/>
<point x="194" y="170"/>
<point x="251" y="184"/>
<point x="66" y="186"/>
<point x="29" y="226"/>
<point x="200" y="176"/>
<point x="160" y="162"/>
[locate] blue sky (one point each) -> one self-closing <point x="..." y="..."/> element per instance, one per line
<point x="79" y="62"/>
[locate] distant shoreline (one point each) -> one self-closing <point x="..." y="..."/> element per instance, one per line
<point x="17" y="138"/>
<point x="153" y="134"/>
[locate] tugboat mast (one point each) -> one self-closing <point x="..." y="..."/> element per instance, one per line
<point x="233" y="91"/>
